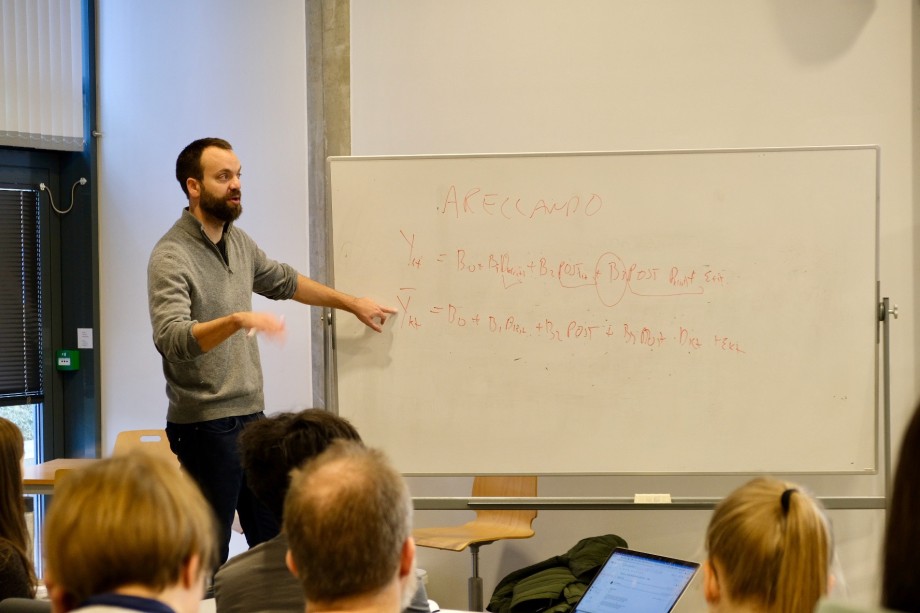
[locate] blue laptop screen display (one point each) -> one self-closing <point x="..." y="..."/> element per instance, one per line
<point x="637" y="582"/>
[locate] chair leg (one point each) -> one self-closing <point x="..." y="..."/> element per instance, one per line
<point x="475" y="582"/>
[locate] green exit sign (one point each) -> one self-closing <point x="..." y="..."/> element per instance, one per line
<point x="67" y="359"/>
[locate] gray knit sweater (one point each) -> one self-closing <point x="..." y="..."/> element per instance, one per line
<point x="189" y="282"/>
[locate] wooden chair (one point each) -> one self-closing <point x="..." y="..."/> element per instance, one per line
<point x="488" y="527"/>
<point x="150" y="441"/>
<point x="61" y="474"/>
<point x="154" y="441"/>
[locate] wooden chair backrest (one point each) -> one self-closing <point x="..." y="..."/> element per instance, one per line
<point x="509" y="486"/>
<point x="150" y="441"/>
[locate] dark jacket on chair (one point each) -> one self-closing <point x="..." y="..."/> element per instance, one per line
<point x="554" y="585"/>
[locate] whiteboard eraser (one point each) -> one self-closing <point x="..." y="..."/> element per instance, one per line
<point x="652" y="499"/>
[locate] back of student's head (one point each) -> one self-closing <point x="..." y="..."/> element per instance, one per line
<point x="770" y="544"/>
<point x="13" y="530"/>
<point x="347" y="517"/>
<point x="271" y="448"/>
<point x="901" y="573"/>
<point x="134" y="519"/>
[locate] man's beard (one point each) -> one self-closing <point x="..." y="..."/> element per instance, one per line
<point x="219" y="207"/>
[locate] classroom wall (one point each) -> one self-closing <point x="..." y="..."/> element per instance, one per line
<point x="484" y="77"/>
<point x="480" y="76"/>
<point x="171" y="71"/>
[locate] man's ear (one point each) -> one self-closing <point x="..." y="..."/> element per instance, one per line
<point x="407" y="558"/>
<point x="711" y="588"/>
<point x="61" y="601"/>
<point x="193" y="187"/>
<point x="191" y="572"/>
<point x="289" y="560"/>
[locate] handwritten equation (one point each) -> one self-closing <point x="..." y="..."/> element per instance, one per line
<point x="636" y="334"/>
<point x="610" y="275"/>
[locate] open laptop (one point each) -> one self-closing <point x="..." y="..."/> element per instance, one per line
<point x="638" y="583"/>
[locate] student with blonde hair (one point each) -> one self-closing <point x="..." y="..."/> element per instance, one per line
<point x="128" y="533"/>
<point x="17" y="576"/>
<point x="769" y="549"/>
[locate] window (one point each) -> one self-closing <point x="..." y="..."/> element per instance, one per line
<point x="47" y="104"/>
<point x="21" y="376"/>
<point x="21" y="345"/>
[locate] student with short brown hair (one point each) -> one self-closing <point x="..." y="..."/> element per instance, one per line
<point x="258" y="580"/>
<point x="128" y="533"/>
<point x="348" y="519"/>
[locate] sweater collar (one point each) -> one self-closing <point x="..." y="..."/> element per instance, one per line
<point x="193" y="226"/>
<point x="123" y="601"/>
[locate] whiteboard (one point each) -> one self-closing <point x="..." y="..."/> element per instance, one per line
<point x="708" y="311"/>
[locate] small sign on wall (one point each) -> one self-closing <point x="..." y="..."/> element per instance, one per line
<point x="84" y="338"/>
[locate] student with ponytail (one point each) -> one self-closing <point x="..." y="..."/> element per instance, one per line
<point x="17" y="576"/>
<point x="769" y="550"/>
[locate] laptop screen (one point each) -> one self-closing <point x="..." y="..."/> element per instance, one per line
<point x="637" y="582"/>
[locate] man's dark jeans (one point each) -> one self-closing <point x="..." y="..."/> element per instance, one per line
<point x="208" y="450"/>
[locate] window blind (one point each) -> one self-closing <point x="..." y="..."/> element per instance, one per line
<point x="41" y="71"/>
<point x="21" y="358"/>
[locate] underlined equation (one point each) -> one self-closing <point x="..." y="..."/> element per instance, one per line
<point x="610" y="275"/>
<point x="418" y="317"/>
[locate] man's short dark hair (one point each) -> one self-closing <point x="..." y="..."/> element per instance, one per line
<point x="347" y="517"/>
<point x="188" y="164"/>
<point x="270" y="448"/>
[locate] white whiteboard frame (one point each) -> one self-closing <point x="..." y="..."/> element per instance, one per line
<point x="332" y="392"/>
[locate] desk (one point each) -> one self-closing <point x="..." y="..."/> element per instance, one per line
<point x="39" y="479"/>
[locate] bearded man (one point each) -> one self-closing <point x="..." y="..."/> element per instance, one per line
<point x="200" y="280"/>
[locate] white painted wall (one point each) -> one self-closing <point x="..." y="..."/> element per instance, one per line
<point x="523" y="76"/>
<point x="171" y="71"/>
